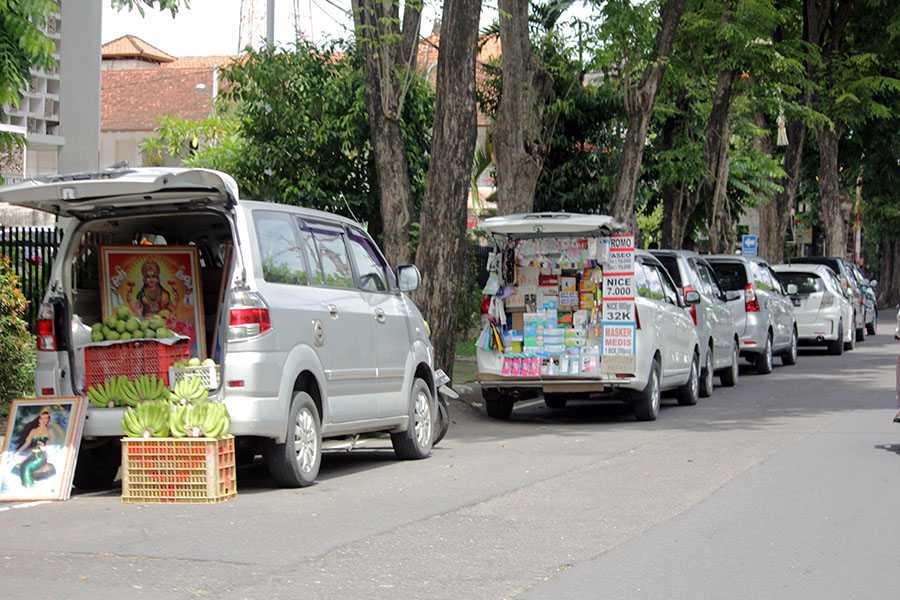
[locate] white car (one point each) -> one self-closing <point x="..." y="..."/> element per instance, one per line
<point x="824" y="314"/>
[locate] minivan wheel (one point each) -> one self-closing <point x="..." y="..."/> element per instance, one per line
<point x="706" y="376"/>
<point x="417" y="440"/>
<point x="555" y="401"/>
<point x="690" y="391"/>
<point x="98" y="463"/>
<point x="870" y="328"/>
<point x="729" y="376"/>
<point x="646" y="402"/>
<point x="790" y="356"/>
<point x="851" y="345"/>
<point x="836" y="347"/>
<point x="764" y="360"/>
<point x="443" y="421"/>
<point x="497" y="405"/>
<point x="296" y="462"/>
<point x="861" y="334"/>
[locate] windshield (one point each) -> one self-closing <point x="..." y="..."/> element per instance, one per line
<point x="807" y="283"/>
<point x="732" y="275"/>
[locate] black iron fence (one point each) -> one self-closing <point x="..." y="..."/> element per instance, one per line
<point x="31" y="251"/>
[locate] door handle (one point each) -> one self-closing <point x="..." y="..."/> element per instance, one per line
<point x="333" y="311"/>
<point x="379" y="315"/>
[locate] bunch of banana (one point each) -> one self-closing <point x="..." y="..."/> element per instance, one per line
<point x="189" y="390"/>
<point x="148" y="419"/>
<point x="99" y="396"/>
<point x="204" y="420"/>
<point x="150" y="387"/>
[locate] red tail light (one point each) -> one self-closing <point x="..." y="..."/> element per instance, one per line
<point x="248" y="317"/>
<point x="637" y="318"/>
<point x="687" y="289"/>
<point x="750" y="302"/>
<point x="46" y="334"/>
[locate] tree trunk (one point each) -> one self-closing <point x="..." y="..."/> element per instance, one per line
<point x="674" y="222"/>
<point x="718" y="134"/>
<point x="520" y="143"/>
<point x="441" y="255"/>
<point x="889" y="277"/>
<point x="390" y="58"/>
<point x="831" y="214"/>
<point x="776" y="218"/>
<point x="639" y="101"/>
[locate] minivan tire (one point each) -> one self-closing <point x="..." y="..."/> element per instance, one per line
<point x="861" y="334"/>
<point x="283" y="461"/>
<point x="416" y="442"/>
<point x="789" y="357"/>
<point x="870" y="328"/>
<point x="97" y="466"/>
<point x="555" y="401"/>
<point x="851" y="345"/>
<point x="764" y="361"/>
<point x="836" y="347"/>
<point x="443" y="426"/>
<point x="729" y="376"/>
<point x="498" y="405"/>
<point x="689" y="393"/>
<point x="646" y="402"/>
<point x="706" y="376"/>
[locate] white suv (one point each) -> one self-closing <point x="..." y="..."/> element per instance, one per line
<point x="316" y="336"/>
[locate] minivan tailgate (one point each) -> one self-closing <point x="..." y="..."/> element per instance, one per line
<point x="81" y="195"/>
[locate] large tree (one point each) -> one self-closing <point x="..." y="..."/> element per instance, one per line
<point x="389" y="45"/>
<point x="442" y="246"/>
<point x="640" y="97"/>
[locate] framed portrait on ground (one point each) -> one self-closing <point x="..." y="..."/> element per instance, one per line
<point x="37" y="458"/>
<point x="158" y="283"/>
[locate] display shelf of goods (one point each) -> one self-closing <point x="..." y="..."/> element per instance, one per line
<point x="178" y="470"/>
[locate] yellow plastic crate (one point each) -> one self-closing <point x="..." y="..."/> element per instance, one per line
<point x="178" y="470"/>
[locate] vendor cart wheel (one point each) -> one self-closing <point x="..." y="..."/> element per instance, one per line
<point x="646" y="402"/>
<point x="555" y="401"/>
<point x="296" y="462"/>
<point x="417" y="440"/>
<point x="497" y="405"/>
<point x="98" y="463"/>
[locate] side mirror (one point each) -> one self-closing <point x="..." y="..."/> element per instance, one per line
<point x="409" y="278"/>
<point x="791" y="289"/>
<point x="692" y="297"/>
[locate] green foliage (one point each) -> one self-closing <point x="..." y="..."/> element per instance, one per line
<point x="170" y="5"/>
<point x="650" y="224"/>
<point x="218" y="137"/>
<point x="16" y="343"/>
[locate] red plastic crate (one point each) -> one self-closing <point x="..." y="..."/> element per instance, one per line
<point x="132" y="359"/>
<point x="178" y="470"/>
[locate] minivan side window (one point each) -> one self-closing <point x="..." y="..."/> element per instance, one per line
<point x="333" y="256"/>
<point x="279" y="248"/>
<point x="668" y="288"/>
<point x="370" y="267"/>
<point x="654" y="289"/>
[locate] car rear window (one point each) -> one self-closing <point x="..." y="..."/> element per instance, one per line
<point x="671" y="265"/>
<point x="732" y="275"/>
<point x="813" y="260"/>
<point x="807" y="283"/>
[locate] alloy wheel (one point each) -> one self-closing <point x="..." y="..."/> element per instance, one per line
<point x="423" y="424"/>
<point x="709" y="371"/>
<point x="654" y="391"/>
<point x="695" y="378"/>
<point x="306" y="440"/>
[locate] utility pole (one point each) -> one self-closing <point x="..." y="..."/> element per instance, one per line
<point x="270" y="22"/>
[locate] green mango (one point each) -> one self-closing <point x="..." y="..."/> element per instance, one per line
<point x="132" y="324"/>
<point x="123" y="312"/>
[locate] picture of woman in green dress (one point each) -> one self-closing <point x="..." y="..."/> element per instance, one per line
<point x="32" y="444"/>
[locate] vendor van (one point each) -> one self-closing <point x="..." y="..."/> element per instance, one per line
<point x="570" y="314"/>
<point x="311" y="330"/>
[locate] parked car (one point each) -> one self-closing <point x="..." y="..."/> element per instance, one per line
<point x="867" y="287"/>
<point x="848" y="282"/>
<point x="666" y="346"/>
<point x="824" y="314"/>
<point x="719" y="341"/>
<point x="318" y="338"/>
<point x="762" y="310"/>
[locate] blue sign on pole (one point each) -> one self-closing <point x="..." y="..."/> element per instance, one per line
<point x="750" y="245"/>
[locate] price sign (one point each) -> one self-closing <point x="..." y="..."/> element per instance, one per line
<point x="618" y="343"/>
<point x="618" y="329"/>
<point x="621" y="311"/>
<point x="618" y="286"/>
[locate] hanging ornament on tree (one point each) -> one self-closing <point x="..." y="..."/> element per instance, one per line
<point x="782" y="131"/>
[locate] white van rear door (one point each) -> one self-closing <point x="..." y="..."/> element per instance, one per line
<point x="83" y="195"/>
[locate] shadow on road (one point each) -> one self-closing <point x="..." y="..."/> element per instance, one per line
<point x="895" y="448"/>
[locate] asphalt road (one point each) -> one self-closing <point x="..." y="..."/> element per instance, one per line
<point x="784" y="487"/>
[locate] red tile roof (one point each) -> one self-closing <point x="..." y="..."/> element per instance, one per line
<point x="135" y="99"/>
<point x="197" y="62"/>
<point x="131" y="46"/>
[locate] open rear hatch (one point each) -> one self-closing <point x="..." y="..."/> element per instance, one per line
<point x="86" y="196"/>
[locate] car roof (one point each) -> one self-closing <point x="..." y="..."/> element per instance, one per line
<point x="684" y="253"/>
<point x="727" y="257"/>
<point x="308" y="213"/>
<point x="549" y="223"/>
<point x="803" y="268"/>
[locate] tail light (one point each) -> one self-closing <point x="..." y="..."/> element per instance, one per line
<point x="248" y="316"/>
<point x="687" y="289"/>
<point x="637" y="318"/>
<point x="46" y="333"/>
<point x="750" y="302"/>
<point x="827" y="301"/>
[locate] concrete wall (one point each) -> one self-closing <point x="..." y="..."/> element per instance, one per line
<point x="80" y="85"/>
<point x="116" y="146"/>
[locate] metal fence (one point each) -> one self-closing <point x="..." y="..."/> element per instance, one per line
<point x="31" y="251"/>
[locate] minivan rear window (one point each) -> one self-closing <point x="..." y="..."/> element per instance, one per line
<point x="732" y="275"/>
<point x="807" y="283"/>
<point x="671" y="265"/>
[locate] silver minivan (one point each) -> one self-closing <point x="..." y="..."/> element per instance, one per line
<point x="314" y="333"/>
<point x="719" y="341"/>
<point x="762" y="309"/>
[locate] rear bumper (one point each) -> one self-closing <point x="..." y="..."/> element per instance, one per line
<point x="753" y="341"/>
<point x="819" y="331"/>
